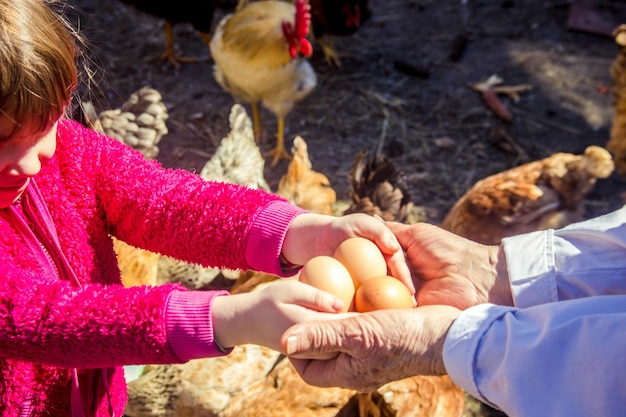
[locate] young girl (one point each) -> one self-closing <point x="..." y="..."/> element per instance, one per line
<point x="67" y="325"/>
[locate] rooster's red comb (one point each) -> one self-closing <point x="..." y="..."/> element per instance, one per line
<point x="296" y="34"/>
<point x="303" y="18"/>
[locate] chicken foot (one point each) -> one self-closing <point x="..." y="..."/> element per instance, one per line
<point x="170" y="52"/>
<point x="328" y="48"/>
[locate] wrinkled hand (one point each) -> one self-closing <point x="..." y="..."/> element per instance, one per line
<point x="314" y="234"/>
<point x="261" y="317"/>
<point x="449" y="269"/>
<point x="374" y="348"/>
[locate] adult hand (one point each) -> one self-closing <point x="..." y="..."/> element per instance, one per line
<point x="261" y="317"/>
<point x="315" y="234"/>
<point x="449" y="269"/>
<point x="373" y="348"/>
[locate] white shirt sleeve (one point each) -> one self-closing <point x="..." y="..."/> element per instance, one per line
<point x="559" y="352"/>
<point x="582" y="260"/>
<point x="564" y="359"/>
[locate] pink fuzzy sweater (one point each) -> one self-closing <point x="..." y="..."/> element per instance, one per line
<point x="62" y="306"/>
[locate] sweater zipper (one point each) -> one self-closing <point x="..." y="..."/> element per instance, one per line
<point x="28" y="230"/>
<point x="50" y="259"/>
<point x="36" y="212"/>
<point x="44" y="243"/>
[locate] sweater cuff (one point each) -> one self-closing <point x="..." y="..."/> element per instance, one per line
<point x="267" y="235"/>
<point x="190" y="324"/>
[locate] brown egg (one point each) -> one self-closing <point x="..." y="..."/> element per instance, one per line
<point x="328" y="274"/>
<point x="362" y="258"/>
<point x="380" y="293"/>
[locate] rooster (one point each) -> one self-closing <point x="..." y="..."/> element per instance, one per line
<point x="199" y="13"/>
<point x="535" y="196"/>
<point x="259" y="53"/>
<point x="330" y="18"/>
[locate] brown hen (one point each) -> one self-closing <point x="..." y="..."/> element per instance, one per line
<point x="259" y="382"/>
<point x="282" y="393"/>
<point x="617" y="142"/>
<point x="538" y="195"/>
<point x="303" y="186"/>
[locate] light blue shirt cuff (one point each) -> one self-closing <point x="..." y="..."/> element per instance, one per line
<point x="531" y="266"/>
<point x="462" y="343"/>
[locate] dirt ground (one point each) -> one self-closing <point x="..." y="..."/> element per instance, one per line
<point x="398" y="83"/>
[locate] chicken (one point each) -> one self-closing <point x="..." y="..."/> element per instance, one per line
<point x="378" y="187"/>
<point x="259" y="53"/>
<point x="303" y="186"/>
<point x="140" y="123"/>
<point x="330" y="18"/>
<point x="237" y="160"/>
<point x="538" y="195"/>
<point x="202" y="387"/>
<point x="138" y="266"/>
<point x="617" y="142"/>
<point x="206" y="387"/>
<point x="199" y="13"/>
<point x="282" y="393"/>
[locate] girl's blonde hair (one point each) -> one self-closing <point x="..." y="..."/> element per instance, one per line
<point x="39" y="49"/>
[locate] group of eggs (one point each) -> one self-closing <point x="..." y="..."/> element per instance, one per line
<point x="357" y="274"/>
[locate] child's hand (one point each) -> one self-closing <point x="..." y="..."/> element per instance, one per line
<point x="261" y="317"/>
<point x="312" y="235"/>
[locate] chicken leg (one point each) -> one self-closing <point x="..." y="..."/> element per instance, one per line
<point x="170" y="52"/>
<point x="257" y="127"/>
<point x="279" y="151"/>
<point x="328" y="48"/>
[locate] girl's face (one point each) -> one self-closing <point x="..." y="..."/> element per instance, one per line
<point x="21" y="158"/>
